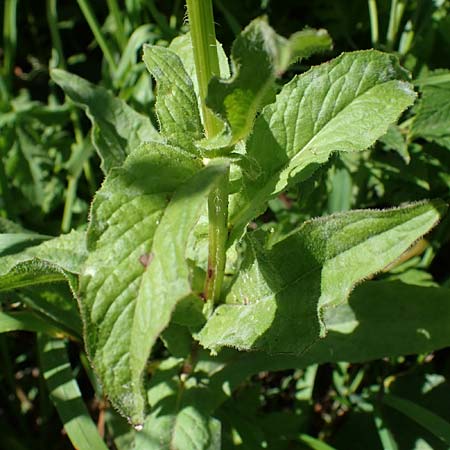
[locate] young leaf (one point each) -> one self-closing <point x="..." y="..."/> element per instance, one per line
<point x="258" y="56"/>
<point x="182" y="46"/>
<point x="125" y="215"/>
<point x="176" y="102"/>
<point x="66" y="395"/>
<point x="282" y="296"/>
<point x="116" y="128"/>
<point x="432" y="121"/>
<point x="343" y="105"/>
<point x="167" y="280"/>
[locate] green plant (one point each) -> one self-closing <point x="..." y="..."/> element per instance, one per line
<point x="168" y="267"/>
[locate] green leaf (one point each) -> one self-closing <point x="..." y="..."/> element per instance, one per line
<point x="432" y="120"/>
<point x="57" y="259"/>
<point x="56" y="302"/>
<point x="167" y="280"/>
<point x="258" y="56"/>
<point x="188" y="429"/>
<point x="302" y="45"/>
<point x="284" y="297"/>
<point x="66" y="395"/>
<point x="176" y="102"/>
<point x="14" y="242"/>
<point x="182" y="46"/>
<point x="424" y="417"/>
<point x="343" y="105"/>
<point x="125" y="215"/>
<point x="25" y="321"/>
<point x="116" y="128"/>
<point x="314" y="443"/>
<point x="354" y="332"/>
<point x="178" y="419"/>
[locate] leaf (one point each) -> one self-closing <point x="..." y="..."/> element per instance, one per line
<point x="432" y="120"/>
<point x="124" y="217"/>
<point x="302" y="45"/>
<point x="182" y="46"/>
<point x="258" y="56"/>
<point x="56" y="302"/>
<point x="56" y="259"/>
<point x="167" y="280"/>
<point x="186" y="430"/>
<point x="354" y="332"/>
<point x="24" y="321"/>
<point x="284" y="296"/>
<point x="314" y="443"/>
<point x="176" y="102"/>
<point x="177" y="420"/>
<point x="116" y="128"/>
<point x="424" y="417"/>
<point x="66" y="395"/>
<point x="343" y="105"/>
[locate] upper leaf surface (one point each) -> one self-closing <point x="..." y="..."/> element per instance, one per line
<point x="125" y="215"/>
<point x="279" y="300"/>
<point x="432" y="120"/>
<point x="117" y="129"/>
<point x="176" y="102"/>
<point x="167" y="280"/>
<point x="343" y="105"/>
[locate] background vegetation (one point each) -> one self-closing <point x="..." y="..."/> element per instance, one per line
<point x="50" y="171"/>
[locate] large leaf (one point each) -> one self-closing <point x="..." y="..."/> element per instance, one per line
<point x="432" y="120"/>
<point x="410" y="319"/>
<point x="126" y="214"/>
<point x="176" y="102"/>
<point x="117" y="129"/>
<point x="167" y="280"/>
<point x="66" y="395"/>
<point x="237" y="100"/>
<point x="282" y="297"/>
<point x="343" y="105"/>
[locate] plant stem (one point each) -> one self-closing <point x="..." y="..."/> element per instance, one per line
<point x="117" y="15"/>
<point x="207" y="65"/>
<point x="395" y="17"/>
<point x="391" y="32"/>
<point x="373" y="14"/>
<point x="52" y="19"/>
<point x="203" y="38"/>
<point x="9" y="39"/>
<point x="97" y="32"/>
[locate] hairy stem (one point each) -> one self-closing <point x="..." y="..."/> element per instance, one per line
<point x="207" y="65"/>
<point x="203" y="37"/>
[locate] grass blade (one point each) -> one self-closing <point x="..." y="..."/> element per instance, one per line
<point x="66" y="395"/>
<point x="424" y="417"/>
<point x="314" y="443"/>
